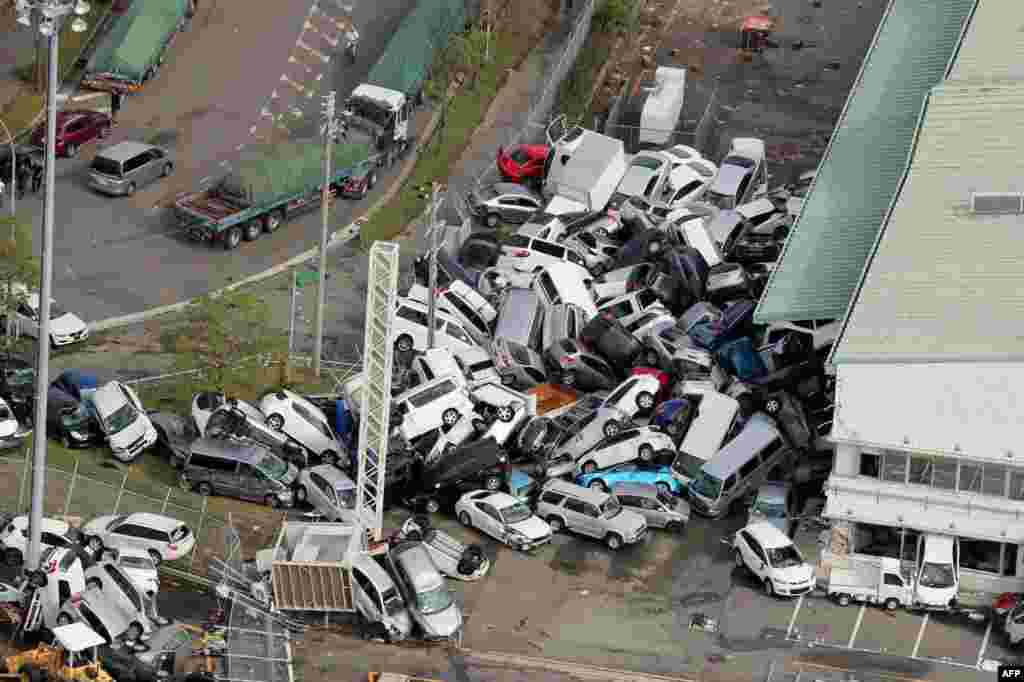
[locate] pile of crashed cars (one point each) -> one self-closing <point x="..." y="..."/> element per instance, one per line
<point x="601" y="372"/>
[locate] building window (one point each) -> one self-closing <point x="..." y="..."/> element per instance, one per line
<point x="980" y="555"/>
<point x="944" y="477"/>
<point x="920" y="470"/>
<point x="871" y="464"/>
<point x="1010" y="560"/>
<point x="970" y="478"/>
<point x="1017" y="485"/>
<point x="894" y="467"/>
<point x="993" y="480"/>
<point x="908" y="551"/>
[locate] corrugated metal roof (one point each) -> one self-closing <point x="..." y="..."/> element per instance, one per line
<point x="992" y="48"/>
<point x="830" y="242"/>
<point x="962" y="409"/>
<point x="945" y="283"/>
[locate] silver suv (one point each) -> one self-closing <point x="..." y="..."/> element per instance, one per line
<point x="589" y="512"/>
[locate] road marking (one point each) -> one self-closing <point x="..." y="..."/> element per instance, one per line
<point x="792" y="619"/>
<point x="205" y="180"/>
<point x="984" y="642"/>
<point x="856" y="626"/>
<point x="920" y="635"/>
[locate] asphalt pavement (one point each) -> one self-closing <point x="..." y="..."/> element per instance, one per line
<point x="113" y="257"/>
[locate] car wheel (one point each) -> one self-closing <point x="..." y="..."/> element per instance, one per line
<point x="63" y="619"/>
<point x="465" y="520"/>
<point x="479" y="425"/>
<point x="71" y="151"/>
<point x="450" y="416"/>
<point x="272" y="221"/>
<point x="601" y="233"/>
<point x="646" y="453"/>
<point x="505" y="413"/>
<point x="329" y="457"/>
<point x="403" y="344"/>
<point x="598" y="485"/>
<point x="37" y="578"/>
<point x="769" y="589"/>
<point x="432" y="506"/>
<point x="300" y="494"/>
<point x="94" y="543"/>
<point x="133" y="632"/>
<point x="651" y="358"/>
<point x="272" y="501"/>
<point x="65" y="441"/>
<point x="168" y="169"/>
<point x="589" y="467"/>
<point x="156" y="557"/>
<point x="231" y="240"/>
<point x="204" y="489"/>
<point x="891" y="604"/>
<point x="738" y="559"/>
<point x="276" y="422"/>
<point x="611" y="428"/>
<point x="663" y="487"/>
<point x="654" y="247"/>
<point x="843" y="600"/>
<point x="492" y="483"/>
<point x="557" y="525"/>
<point x="253" y="230"/>
<point x="507" y="380"/>
<point x="613" y="541"/>
<point x="94" y="582"/>
<point x="645" y="400"/>
<point x="492" y="219"/>
<point x="773" y="406"/>
<point x="13" y="557"/>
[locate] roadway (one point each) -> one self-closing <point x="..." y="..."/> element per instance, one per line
<point x="115" y="256"/>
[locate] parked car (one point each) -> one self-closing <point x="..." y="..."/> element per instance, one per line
<point x="634" y="396"/>
<point x="937" y="583"/>
<point x="75" y="128"/>
<point x="650" y="473"/>
<point x="430" y="406"/>
<point x="576" y="367"/>
<point x="504" y="201"/>
<point x="566" y="506"/>
<point x="504" y="517"/>
<point x="530" y="254"/>
<point x="10" y="430"/>
<point x="331" y="492"/>
<point x="121" y="169"/>
<point x="643" y="443"/>
<point x="659" y="509"/>
<point x="302" y="421"/>
<point x="123" y="420"/>
<point x="65" y="327"/>
<point x="452" y="558"/>
<point x="741" y="175"/>
<point x="14" y="537"/>
<point x="163" y="537"/>
<point x="523" y="162"/>
<point x="773" y="560"/>
<point x="432" y="605"/>
<point x="774" y="503"/>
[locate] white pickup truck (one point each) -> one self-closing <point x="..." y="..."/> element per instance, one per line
<point x="881" y="583"/>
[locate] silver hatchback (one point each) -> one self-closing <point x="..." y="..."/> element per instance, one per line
<point x="122" y="168"/>
<point x="504" y="201"/>
<point x="660" y="509"/>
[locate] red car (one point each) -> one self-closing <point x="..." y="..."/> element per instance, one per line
<point x="74" y="129"/>
<point x="523" y="161"/>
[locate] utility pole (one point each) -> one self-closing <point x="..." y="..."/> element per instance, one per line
<point x="329" y="128"/>
<point x="434" y="233"/>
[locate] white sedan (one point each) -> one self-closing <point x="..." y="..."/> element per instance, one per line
<point x="643" y="443"/>
<point x="504" y="518"/>
<point x="689" y="181"/>
<point x="304" y="422"/>
<point x="8" y="425"/>
<point x="161" y="537"/>
<point x="634" y="395"/>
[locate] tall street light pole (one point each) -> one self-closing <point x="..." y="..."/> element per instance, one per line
<point x="329" y="127"/>
<point x="49" y="15"/>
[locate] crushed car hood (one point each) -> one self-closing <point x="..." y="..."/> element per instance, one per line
<point x="533" y="528"/>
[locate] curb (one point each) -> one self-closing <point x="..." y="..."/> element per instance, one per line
<point x="581" y="670"/>
<point x="343" y="236"/>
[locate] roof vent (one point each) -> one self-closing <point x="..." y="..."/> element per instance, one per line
<point x="997" y="203"/>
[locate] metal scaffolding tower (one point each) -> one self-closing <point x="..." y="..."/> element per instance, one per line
<point x="375" y="412"/>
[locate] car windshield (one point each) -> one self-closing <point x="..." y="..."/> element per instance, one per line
<point x="434" y="601"/>
<point x="370" y="110"/>
<point x="937" y="575"/>
<point x="19" y="376"/>
<point x="75" y="418"/>
<point x="393" y="603"/>
<point x="738" y="161"/>
<point x="481" y="366"/>
<point x="688" y="465"/>
<point x="516" y="513"/>
<point x="707" y="485"/>
<point x="272" y="467"/>
<point x="611" y="508"/>
<point x="519" y="155"/>
<point x="122" y="418"/>
<point x="648" y="162"/>
<point x="519" y="354"/>
<point x="701" y="169"/>
<point x="784" y="557"/>
<point x="773" y="510"/>
<point x="666" y="499"/>
<point x="137" y="562"/>
<point x="5" y="412"/>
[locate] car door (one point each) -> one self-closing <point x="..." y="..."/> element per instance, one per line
<point x="591" y="519"/>
<point x="490" y="521"/>
<point x="618" y="394"/>
<point x="367" y="596"/>
<point x="128" y="534"/>
<point x="250" y="482"/>
<point x="759" y="560"/>
<point x="28" y="321"/>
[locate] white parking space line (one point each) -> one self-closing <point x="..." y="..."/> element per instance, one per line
<point x="792" y="620"/>
<point x="920" y="635"/>
<point x="856" y="627"/>
<point x="984" y="643"/>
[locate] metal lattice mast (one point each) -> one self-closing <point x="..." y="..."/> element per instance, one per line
<point x="375" y="412"/>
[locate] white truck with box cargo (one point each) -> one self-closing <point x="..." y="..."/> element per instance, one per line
<point x="882" y="583"/>
<point x="583" y="172"/>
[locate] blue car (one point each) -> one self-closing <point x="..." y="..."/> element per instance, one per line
<point x="659" y="475"/>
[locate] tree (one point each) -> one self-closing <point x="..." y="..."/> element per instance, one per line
<point x="19" y="273"/>
<point x="471" y="50"/>
<point x="223" y="337"/>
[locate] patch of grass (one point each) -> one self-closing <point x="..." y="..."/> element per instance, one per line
<point x="574" y="93"/>
<point x="22" y="111"/>
<point x="465" y="112"/>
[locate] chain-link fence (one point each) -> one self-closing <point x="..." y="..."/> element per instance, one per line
<point x="82" y="498"/>
<point x="703" y="134"/>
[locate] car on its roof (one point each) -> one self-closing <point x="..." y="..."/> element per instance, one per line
<point x="522" y="162"/>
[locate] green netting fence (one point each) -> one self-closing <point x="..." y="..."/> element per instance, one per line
<point x="410" y="52"/>
<point x="135" y="42"/>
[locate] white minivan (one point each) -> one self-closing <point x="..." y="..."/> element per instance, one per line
<point x="429" y="406"/>
<point x="716" y="415"/>
<point x="565" y="283"/>
<point x="938" y="578"/>
<point x="410" y="330"/>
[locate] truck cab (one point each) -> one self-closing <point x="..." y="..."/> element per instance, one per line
<point x="380" y="114"/>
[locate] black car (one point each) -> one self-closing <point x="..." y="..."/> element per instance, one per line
<point x="686" y="263"/>
<point x="608" y="337"/>
<point x="449" y="269"/>
<point x="471" y="466"/>
<point x="70" y="422"/>
<point x="17" y="386"/>
<point x="646" y="245"/>
<point x="758" y="243"/>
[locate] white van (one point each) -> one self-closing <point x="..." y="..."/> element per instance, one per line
<point x="938" y="577"/>
<point x="436" y="363"/>
<point x="441" y="402"/>
<point x="464" y="304"/>
<point x="410" y="330"/>
<point x="716" y="415"/>
<point x="564" y="283"/>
